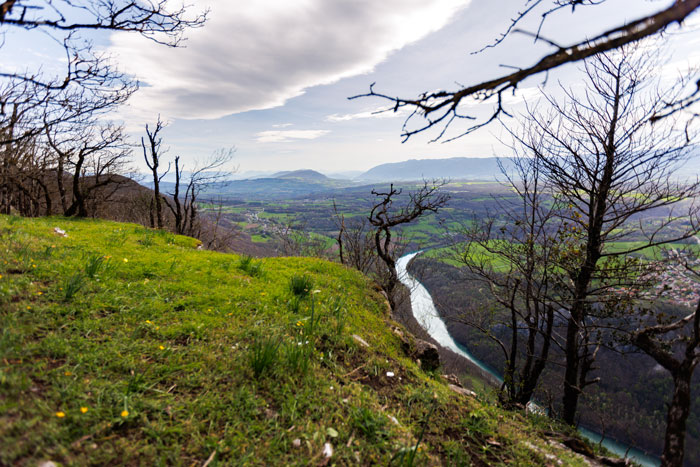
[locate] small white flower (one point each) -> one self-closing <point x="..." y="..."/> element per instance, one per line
<point x="327" y="450"/>
<point x="389" y="374"/>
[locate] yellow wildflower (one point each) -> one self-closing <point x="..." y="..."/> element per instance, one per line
<point x="67" y="373"/>
<point x="126" y="260"/>
<point x="299" y="323"/>
<point x="161" y="347"/>
<point x="60" y="414"/>
<point x="29" y="308"/>
<point x="83" y="409"/>
<point x="39" y="293"/>
<point x="125" y="413"/>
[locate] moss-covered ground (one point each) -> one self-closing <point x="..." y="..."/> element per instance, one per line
<point x="123" y="345"/>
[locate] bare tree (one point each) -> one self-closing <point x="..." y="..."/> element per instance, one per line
<point x="97" y="155"/>
<point x="514" y="251"/>
<point x="339" y="219"/>
<point x="204" y="176"/>
<point x="355" y="241"/>
<point x="65" y="19"/>
<point x="152" y="153"/>
<point x="614" y="174"/>
<point x="439" y="109"/>
<point x="295" y="239"/>
<point x="384" y="217"/>
<point x="36" y="106"/>
<point x="216" y="231"/>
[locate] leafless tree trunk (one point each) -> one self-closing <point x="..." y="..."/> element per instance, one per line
<point x="204" y="176"/>
<point x="340" y="223"/>
<point x="384" y="217"/>
<point x="152" y="154"/>
<point x="523" y="233"/>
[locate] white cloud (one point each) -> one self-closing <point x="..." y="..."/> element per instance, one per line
<point x="521" y="95"/>
<point x="282" y="125"/>
<point x="377" y="113"/>
<point x="256" y="55"/>
<point x="285" y="136"/>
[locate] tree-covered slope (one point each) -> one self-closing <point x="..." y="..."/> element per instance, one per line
<point x="124" y="345"/>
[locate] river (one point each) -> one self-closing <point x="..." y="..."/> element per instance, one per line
<point x="428" y="317"/>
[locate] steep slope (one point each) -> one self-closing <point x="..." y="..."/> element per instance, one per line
<point x="124" y="345"/>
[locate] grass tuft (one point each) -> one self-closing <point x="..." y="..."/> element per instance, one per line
<point x="263" y="355"/>
<point x="72" y="286"/>
<point x="298" y="356"/>
<point x="301" y="285"/>
<point x="250" y="266"/>
<point x="370" y="424"/>
<point x="94" y="264"/>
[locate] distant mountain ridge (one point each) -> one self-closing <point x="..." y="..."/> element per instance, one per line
<point x="468" y="168"/>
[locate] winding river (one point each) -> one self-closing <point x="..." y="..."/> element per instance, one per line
<point x="428" y="317"/>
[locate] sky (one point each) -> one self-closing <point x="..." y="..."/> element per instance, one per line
<point x="272" y="77"/>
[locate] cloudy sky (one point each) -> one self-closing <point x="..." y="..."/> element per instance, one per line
<point x="272" y="77"/>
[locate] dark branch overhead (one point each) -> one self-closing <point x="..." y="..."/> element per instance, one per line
<point x="64" y="20"/>
<point x="157" y="20"/>
<point x="440" y="109"/>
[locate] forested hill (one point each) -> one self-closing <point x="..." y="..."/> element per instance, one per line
<point x="468" y="168"/>
<point x="126" y="345"/>
<point x="475" y="168"/>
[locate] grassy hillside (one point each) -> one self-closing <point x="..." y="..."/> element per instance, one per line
<point x="123" y="345"/>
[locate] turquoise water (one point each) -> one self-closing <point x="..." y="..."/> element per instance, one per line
<point x="427" y="315"/>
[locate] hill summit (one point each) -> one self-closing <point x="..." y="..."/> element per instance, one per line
<point x="124" y="345"/>
<point x="306" y="175"/>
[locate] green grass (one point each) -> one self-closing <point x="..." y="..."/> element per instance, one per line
<point x="162" y="354"/>
<point x="256" y="238"/>
<point x="447" y="255"/>
<point x="650" y="252"/>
